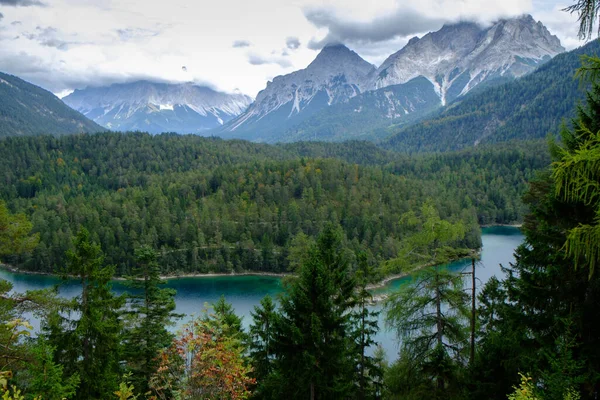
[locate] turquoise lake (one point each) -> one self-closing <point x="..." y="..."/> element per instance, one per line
<point x="244" y="292"/>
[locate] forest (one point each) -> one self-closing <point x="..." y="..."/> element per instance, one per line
<point x="338" y="217"/>
<point x="209" y="205"/>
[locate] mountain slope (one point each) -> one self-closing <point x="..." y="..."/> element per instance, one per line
<point x="158" y="107"/>
<point x="336" y="75"/>
<point x="461" y="56"/>
<point x="26" y="109"/>
<point x="423" y="76"/>
<point x="527" y="108"/>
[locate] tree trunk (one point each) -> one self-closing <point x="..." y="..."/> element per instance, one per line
<point x="472" y="354"/>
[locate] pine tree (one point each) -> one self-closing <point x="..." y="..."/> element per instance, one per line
<point x="87" y="341"/>
<point x="150" y="312"/>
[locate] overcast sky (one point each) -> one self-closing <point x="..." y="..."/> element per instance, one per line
<point x="227" y="44"/>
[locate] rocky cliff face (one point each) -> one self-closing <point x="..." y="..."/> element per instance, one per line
<point x="336" y="75"/>
<point x="459" y="57"/>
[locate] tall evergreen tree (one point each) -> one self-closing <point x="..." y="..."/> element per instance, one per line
<point x="429" y="316"/>
<point x="261" y="338"/>
<point x="230" y="321"/>
<point x="313" y="342"/>
<point x="551" y="293"/>
<point x="150" y="312"/>
<point x="87" y="340"/>
<point x="365" y="327"/>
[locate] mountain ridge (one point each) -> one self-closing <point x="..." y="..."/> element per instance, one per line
<point x="427" y="73"/>
<point x="157" y="107"/>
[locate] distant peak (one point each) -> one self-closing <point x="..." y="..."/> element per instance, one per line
<point x="335" y="47"/>
<point x="413" y="40"/>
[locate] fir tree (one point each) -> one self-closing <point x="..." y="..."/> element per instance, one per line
<point x="150" y="312"/>
<point x="365" y="326"/>
<point x="87" y="340"/>
<point x="313" y="342"/>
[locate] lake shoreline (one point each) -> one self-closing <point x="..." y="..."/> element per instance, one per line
<point x="378" y="285"/>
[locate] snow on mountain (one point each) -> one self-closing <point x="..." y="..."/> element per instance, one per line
<point x="461" y="56"/>
<point x="335" y="75"/>
<point x="158" y="107"/>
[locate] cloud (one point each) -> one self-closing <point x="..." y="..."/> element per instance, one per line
<point x="22" y="3"/>
<point x="15" y="23"/>
<point x="128" y="34"/>
<point x="256" y="59"/>
<point x="49" y="37"/>
<point x="292" y="42"/>
<point x="401" y="23"/>
<point x="238" y="44"/>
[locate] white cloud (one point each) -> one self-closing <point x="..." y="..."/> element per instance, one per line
<point x="95" y="42"/>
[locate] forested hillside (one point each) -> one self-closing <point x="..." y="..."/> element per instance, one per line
<point x="26" y="109"/>
<point x="528" y="108"/>
<point x="219" y="206"/>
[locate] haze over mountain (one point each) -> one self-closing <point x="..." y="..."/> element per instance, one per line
<point x="26" y="109"/>
<point x="425" y="74"/>
<point x="157" y="107"/>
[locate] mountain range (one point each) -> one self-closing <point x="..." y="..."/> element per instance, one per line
<point x="424" y="75"/>
<point x="157" y="107"/>
<point x="454" y="88"/>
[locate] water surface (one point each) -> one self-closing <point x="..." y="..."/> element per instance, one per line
<point x="244" y="292"/>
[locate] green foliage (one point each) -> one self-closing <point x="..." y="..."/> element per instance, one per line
<point x="89" y="345"/>
<point x="261" y="343"/>
<point x="42" y="377"/>
<point x="429" y="316"/>
<point x="208" y="205"/>
<point x="433" y="242"/>
<point x="312" y="343"/>
<point x="525" y="391"/>
<point x="15" y="231"/>
<point x="576" y="174"/>
<point x="149" y="313"/>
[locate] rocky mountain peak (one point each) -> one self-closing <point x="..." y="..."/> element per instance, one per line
<point x="463" y="55"/>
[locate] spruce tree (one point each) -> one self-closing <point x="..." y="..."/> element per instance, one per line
<point x="260" y="347"/>
<point x="87" y="339"/>
<point x="150" y="312"/>
<point x="551" y="293"/>
<point x="313" y="343"/>
<point x="365" y="327"/>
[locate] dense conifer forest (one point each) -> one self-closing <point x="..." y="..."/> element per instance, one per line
<point x="339" y="216"/>
<point x="209" y="205"/>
